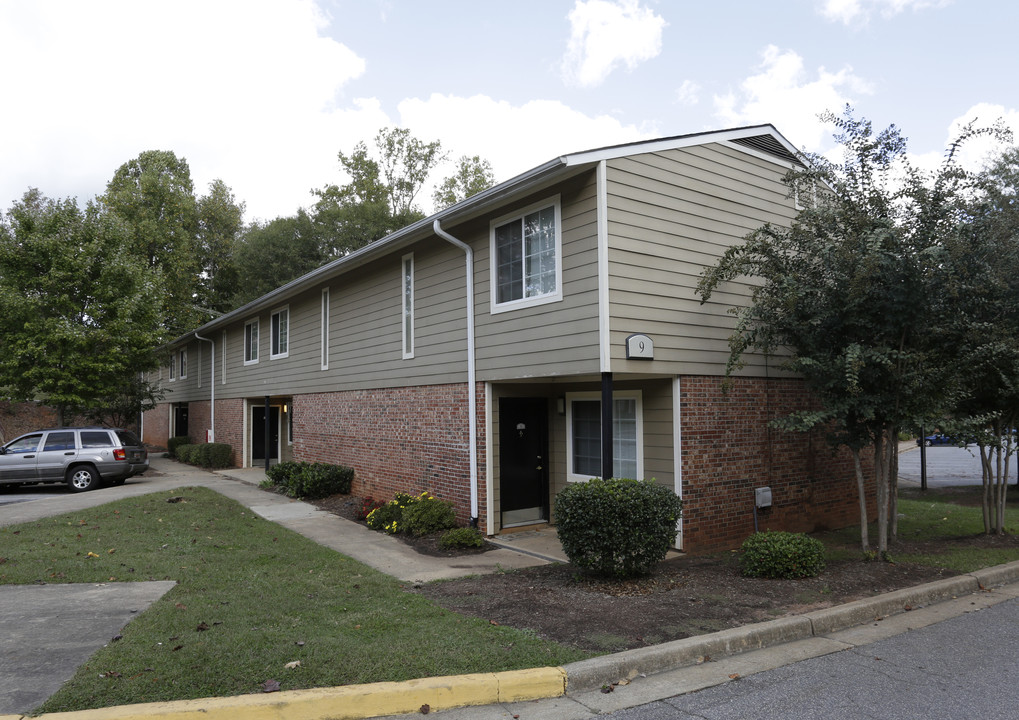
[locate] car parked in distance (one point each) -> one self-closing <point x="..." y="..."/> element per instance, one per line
<point x="941" y="439"/>
<point x="83" y="457"/>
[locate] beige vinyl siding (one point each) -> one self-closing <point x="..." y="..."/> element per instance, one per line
<point x="671" y="215"/>
<point x="559" y="338"/>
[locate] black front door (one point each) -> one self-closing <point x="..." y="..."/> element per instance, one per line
<point x="180" y="421"/>
<point x="523" y="460"/>
<point x="258" y="448"/>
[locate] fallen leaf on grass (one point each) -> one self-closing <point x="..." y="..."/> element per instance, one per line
<point x="292" y="665"/>
<point x="271" y="686"/>
<point x="91" y="554"/>
<point x="202" y="627"/>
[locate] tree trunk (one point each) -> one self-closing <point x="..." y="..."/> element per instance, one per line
<point x="893" y="481"/>
<point x="985" y="477"/>
<point x="881" y="476"/>
<point x="861" y="489"/>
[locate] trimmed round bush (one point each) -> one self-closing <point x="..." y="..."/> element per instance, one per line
<point x="428" y="514"/>
<point x="617" y="527"/>
<point x="783" y="555"/>
<point x="389" y="517"/>
<point x="175" y="442"/>
<point x="310" y="480"/>
<point x="464" y="537"/>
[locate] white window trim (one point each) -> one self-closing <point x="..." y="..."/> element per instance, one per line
<point x="617" y="395"/>
<point x="557" y="296"/>
<point x="325" y="328"/>
<point x="172" y="368"/>
<point x="245" y="344"/>
<point x="182" y="364"/>
<point x="222" y="362"/>
<point x="407" y="306"/>
<point x="272" y="333"/>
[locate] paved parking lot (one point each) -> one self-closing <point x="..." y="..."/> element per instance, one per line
<point x="946" y="465"/>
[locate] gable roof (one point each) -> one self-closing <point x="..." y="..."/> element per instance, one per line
<point x="763" y="141"/>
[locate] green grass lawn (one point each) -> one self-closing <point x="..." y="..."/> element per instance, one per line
<point x="941" y="517"/>
<point x="266" y="595"/>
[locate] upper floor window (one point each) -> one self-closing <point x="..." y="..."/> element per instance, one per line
<point x="526" y="257"/>
<point x="408" y="306"/>
<point x="173" y="366"/>
<point x="280" y="329"/>
<point x="183" y="363"/>
<point x="251" y="342"/>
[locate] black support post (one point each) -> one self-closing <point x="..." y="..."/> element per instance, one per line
<point x="606" y="425"/>
<point x="268" y="434"/>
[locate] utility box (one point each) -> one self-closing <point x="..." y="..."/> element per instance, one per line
<point x="762" y="497"/>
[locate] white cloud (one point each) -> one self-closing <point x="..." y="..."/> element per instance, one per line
<point x="782" y="94"/>
<point x="247" y="92"/>
<point x="975" y="153"/>
<point x="513" y="138"/>
<point x="607" y="34"/>
<point x="849" y="12"/>
<point x="688" y="93"/>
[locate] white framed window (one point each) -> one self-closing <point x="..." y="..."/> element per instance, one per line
<point x="407" y="275"/>
<point x="279" y="324"/>
<point x="173" y="367"/>
<point x="325" y="328"/>
<point x="583" y="435"/>
<point x="526" y="251"/>
<point x="183" y="363"/>
<point x="251" y="342"/>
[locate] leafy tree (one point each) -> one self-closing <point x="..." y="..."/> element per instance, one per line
<point x="380" y="195"/>
<point x="848" y="293"/>
<point x="983" y="332"/>
<point x="472" y="175"/>
<point x="155" y="197"/>
<point x="274" y="253"/>
<point x="220" y="224"/>
<point x="81" y="310"/>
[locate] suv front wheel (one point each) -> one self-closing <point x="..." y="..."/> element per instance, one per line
<point x="82" y="478"/>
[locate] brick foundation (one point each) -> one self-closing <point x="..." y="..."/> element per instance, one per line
<point x="729" y="450"/>
<point x="407" y="439"/>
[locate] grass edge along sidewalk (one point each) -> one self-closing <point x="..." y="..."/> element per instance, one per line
<point x="251" y="599"/>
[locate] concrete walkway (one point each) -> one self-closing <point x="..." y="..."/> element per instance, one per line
<point x="570" y="692"/>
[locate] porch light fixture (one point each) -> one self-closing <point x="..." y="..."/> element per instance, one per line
<point x="561" y="405"/>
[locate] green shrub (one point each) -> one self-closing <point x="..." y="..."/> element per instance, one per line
<point x="219" y="455"/>
<point x="785" y="555"/>
<point x="186" y="453"/>
<point x="464" y="537"/>
<point x="428" y="514"/>
<point x="310" y="480"/>
<point x="173" y="443"/>
<point x="617" y="527"/>
<point x="389" y="517"/>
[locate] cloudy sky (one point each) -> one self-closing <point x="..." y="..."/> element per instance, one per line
<point x="263" y="93"/>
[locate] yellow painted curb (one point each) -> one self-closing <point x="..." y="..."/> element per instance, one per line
<point x="349" y="702"/>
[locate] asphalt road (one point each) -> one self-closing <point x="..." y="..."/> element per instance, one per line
<point x="946" y="465"/>
<point x="960" y="668"/>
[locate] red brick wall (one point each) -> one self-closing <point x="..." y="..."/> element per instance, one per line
<point x="230" y="426"/>
<point x="156" y="426"/>
<point x="407" y="439"/>
<point x="19" y="418"/>
<point x="729" y="450"/>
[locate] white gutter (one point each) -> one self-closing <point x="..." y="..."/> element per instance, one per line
<point x="472" y="402"/>
<point x="212" y="387"/>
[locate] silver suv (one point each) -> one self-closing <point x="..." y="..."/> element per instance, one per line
<point x="83" y="457"/>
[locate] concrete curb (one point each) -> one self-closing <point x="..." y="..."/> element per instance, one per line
<point x="350" y="702"/>
<point x="355" y="702"/>
<point x="608" y="669"/>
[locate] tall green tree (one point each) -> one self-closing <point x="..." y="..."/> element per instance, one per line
<point x="982" y="333"/>
<point x="220" y="225"/>
<point x="154" y="195"/>
<point x="471" y="176"/>
<point x="81" y="309"/>
<point x="379" y="198"/>
<point x="274" y="253"/>
<point x="847" y="296"/>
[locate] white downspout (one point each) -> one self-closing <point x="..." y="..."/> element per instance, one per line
<point x="212" y="387"/>
<point x="472" y="401"/>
